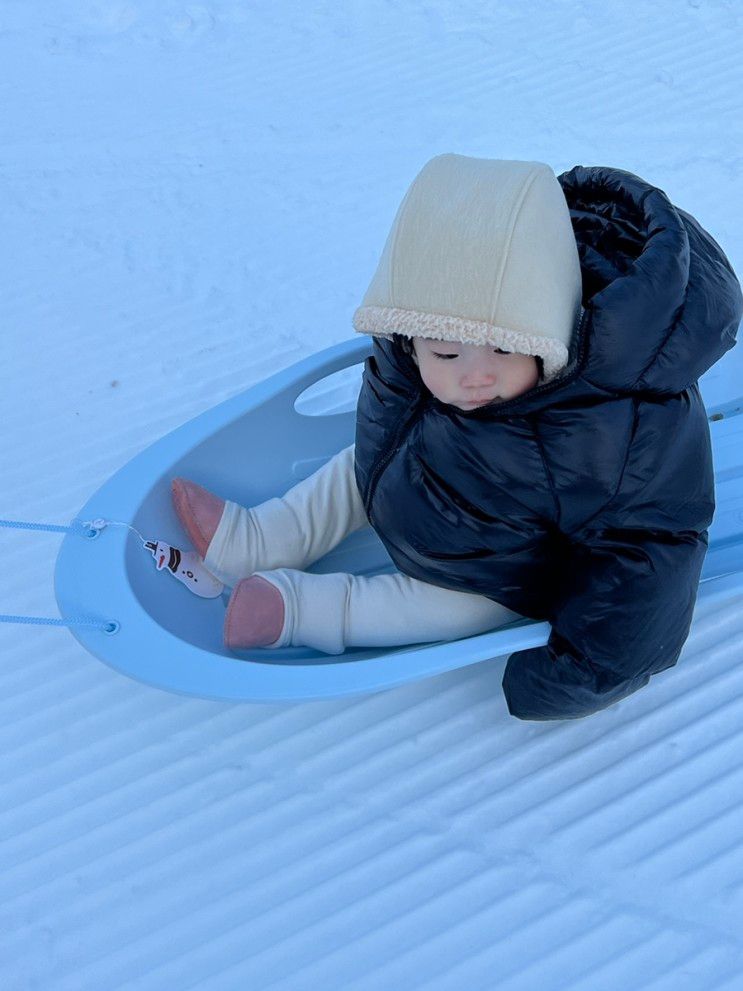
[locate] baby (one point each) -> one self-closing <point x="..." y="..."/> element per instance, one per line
<point x="530" y="438"/>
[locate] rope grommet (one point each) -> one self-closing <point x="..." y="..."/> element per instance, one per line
<point x="94" y="527"/>
<point x="113" y="627"/>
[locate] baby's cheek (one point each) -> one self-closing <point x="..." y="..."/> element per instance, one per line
<point x="443" y="378"/>
<point x="527" y="368"/>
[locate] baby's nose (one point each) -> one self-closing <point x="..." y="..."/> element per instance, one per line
<point x="479" y="376"/>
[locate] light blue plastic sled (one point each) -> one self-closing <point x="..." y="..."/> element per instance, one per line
<point x="168" y="638"/>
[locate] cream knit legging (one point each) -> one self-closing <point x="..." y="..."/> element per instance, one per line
<point x="280" y="537"/>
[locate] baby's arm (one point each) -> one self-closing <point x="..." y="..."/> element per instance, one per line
<point x="624" y="613"/>
<point x="293" y="530"/>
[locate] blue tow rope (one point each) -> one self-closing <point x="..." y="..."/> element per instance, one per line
<point x="87" y="529"/>
<point x="23" y="525"/>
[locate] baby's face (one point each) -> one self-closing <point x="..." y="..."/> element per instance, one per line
<point x="468" y="375"/>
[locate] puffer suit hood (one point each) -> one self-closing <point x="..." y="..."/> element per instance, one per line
<point x="586" y="501"/>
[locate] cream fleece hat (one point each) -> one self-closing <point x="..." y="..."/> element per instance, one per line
<point x="481" y="251"/>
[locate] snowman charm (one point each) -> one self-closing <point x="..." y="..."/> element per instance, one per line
<point x="187" y="567"/>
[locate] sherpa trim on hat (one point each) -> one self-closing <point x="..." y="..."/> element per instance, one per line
<point x="481" y="251"/>
<point x="439" y="327"/>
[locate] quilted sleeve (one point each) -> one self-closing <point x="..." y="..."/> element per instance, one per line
<point x="624" y="614"/>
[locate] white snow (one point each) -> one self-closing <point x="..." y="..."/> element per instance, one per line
<point x="194" y="196"/>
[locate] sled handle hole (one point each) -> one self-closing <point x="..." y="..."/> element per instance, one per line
<point x="332" y="394"/>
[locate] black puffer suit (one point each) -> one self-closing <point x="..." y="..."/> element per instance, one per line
<point x="586" y="501"/>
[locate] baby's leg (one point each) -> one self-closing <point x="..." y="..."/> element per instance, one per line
<point x="293" y="530"/>
<point x="334" y="611"/>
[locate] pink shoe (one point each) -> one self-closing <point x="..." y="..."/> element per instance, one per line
<point x="198" y="510"/>
<point x="255" y="614"/>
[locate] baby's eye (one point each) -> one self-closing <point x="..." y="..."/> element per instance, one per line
<point x="438" y="355"/>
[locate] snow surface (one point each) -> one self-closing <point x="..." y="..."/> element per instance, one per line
<point x="194" y="196"/>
